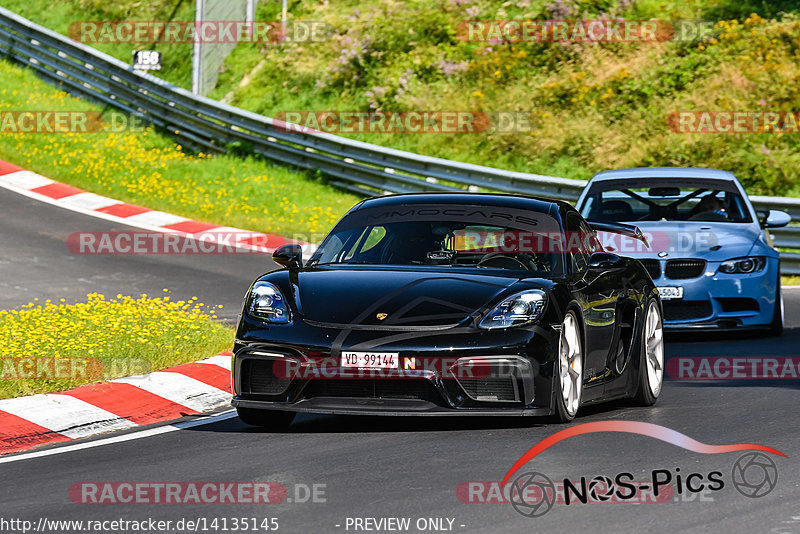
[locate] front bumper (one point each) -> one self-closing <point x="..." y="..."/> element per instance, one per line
<point x="719" y="301"/>
<point x="407" y="407"/>
<point x="509" y="374"/>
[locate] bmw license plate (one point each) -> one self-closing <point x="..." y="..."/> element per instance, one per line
<point x="668" y="293"/>
<point x="371" y="360"/>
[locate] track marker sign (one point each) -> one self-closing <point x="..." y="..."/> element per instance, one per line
<point x="146" y="60"/>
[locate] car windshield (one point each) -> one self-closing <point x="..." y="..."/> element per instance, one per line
<point x="665" y="200"/>
<point x="446" y="236"/>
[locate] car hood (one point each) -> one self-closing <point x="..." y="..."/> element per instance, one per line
<point x="389" y="297"/>
<point x="682" y="239"/>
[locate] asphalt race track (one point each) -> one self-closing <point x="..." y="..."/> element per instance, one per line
<point x="36" y="262"/>
<point x="402" y="467"/>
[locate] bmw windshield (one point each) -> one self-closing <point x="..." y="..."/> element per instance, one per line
<point x="665" y="199"/>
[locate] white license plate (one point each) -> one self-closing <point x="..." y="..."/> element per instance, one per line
<point x="371" y="360"/>
<point x="668" y="293"/>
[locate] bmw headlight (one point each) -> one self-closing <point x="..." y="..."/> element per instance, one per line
<point x="743" y="265"/>
<point x="521" y="308"/>
<point x="265" y="302"/>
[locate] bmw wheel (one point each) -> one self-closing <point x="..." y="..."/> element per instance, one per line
<point x="776" y="327"/>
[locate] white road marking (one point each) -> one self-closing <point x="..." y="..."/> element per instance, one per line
<point x="118" y="439"/>
<point x="91" y="213"/>
<point x="89" y="201"/>
<point x="55" y="411"/>
<point x="156" y="218"/>
<point x="180" y="389"/>
<point x="231" y="230"/>
<point x="25" y="180"/>
<point x="129" y="221"/>
<point x="222" y="361"/>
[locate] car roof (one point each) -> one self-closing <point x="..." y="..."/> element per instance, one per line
<point x="541" y="205"/>
<point x="665" y="172"/>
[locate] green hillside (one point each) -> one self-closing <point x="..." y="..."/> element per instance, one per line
<point x="593" y="106"/>
<point x="146" y="167"/>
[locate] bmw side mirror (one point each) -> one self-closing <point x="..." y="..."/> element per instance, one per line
<point x="776" y="219"/>
<point x="605" y="261"/>
<point x="290" y="256"/>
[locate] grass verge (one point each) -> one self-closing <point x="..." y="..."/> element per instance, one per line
<point x="592" y="106"/>
<point x="50" y="346"/>
<point x="584" y="98"/>
<point x="790" y="280"/>
<point x="142" y="166"/>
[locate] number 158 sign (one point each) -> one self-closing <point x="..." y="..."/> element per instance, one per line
<point x="146" y="60"/>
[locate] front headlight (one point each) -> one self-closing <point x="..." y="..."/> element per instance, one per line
<point x="524" y="307"/>
<point x="743" y="265"/>
<point x="264" y="301"/>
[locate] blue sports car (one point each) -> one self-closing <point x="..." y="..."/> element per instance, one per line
<point x="709" y="252"/>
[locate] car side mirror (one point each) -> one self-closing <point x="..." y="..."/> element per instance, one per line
<point x="290" y="256"/>
<point x="605" y="261"/>
<point x="776" y="219"/>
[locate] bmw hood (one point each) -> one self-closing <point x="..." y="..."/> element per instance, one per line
<point x="682" y="239"/>
<point x="394" y="297"/>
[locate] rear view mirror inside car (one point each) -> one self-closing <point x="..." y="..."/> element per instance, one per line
<point x="664" y="191"/>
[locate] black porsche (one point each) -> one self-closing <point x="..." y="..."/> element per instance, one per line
<point x="449" y="304"/>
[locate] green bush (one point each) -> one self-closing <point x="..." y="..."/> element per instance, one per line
<point x="594" y="105"/>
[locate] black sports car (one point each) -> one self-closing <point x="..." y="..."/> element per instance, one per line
<point x="449" y="304"/>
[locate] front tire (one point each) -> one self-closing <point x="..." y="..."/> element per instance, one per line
<point x="276" y="420"/>
<point x="569" y="368"/>
<point x="776" y="327"/>
<point x="651" y="363"/>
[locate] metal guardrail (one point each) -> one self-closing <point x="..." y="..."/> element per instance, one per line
<point x="209" y="126"/>
<point x="790" y="263"/>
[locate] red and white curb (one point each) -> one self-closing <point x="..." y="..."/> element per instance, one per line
<point x="44" y="189"/>
<point x="124" y="403"/>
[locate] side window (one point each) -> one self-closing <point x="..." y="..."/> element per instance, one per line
<point x="590" y="239"/>
<point x="375" y="236"/>
<point x="578" y="244"/>
<point x="369" y="239"/>
<point x="590" y="208"/>
<point x="349" y="255"/>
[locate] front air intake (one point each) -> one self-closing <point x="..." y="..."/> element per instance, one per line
<point x="258" y="378"/>
<point x="497" y="389"/>
<point x="681" y="269"/>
